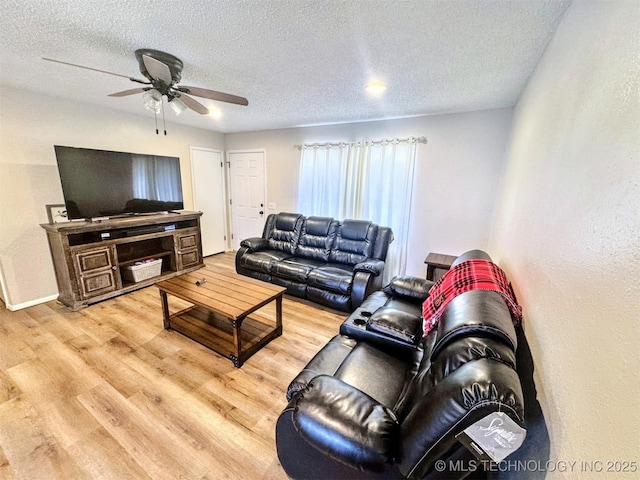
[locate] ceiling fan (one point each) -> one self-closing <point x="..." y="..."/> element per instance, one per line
<point x="163" y="71"/>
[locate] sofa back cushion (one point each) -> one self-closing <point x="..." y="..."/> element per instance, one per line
<point x="475" y="325"/>
<point x="282" y="230"/>
<point x="477" y="313"/>
<point x="383" y="240"/>
<point x="354" y="242"/>
<point x="317" y="237"/>
<point x="466" y="372"/>
<point x="411" y="288"/>
<point x="472" y="391"/>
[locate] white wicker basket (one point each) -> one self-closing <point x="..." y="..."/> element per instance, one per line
<point x="143" y="271"/>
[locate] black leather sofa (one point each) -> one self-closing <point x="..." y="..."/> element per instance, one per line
<point x="337" y="264"/>
<point x="381" y="401"/>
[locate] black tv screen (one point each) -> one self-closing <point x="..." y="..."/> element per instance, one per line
<point x="100" y="183"/>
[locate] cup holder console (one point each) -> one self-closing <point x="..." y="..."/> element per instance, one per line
<point x="362" y="319"/>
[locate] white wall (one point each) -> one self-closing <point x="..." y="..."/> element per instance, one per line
<point x="567" y="231"/>
<point x="30" y="125"/>
<point x="457" y="176"/>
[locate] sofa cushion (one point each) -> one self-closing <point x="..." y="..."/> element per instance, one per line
<point x="316" y="238"/>
<point x="299" y="289"/>
<point x="325" y="362"/>
<point x="374" y="372"/>
<point x="465" y="350"/>
<point x="295" y="268"/>
<point x="284" y="232"/>
<point x="396" y="324"/>
<point x="339" y="301"/>
<point x="412" y="288"/>
<point x="346" y="424"/>
<point x="354" y="242"/>
<point x="357" y="364"/>
<point x="480" y="313"/>
<point x="383" y="240"/>
<point x="261" y="261"/>
<point x="402" y="303"/>
<point x="332" y="277"/>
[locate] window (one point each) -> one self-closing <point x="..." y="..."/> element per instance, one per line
<point x="156" y="178"/>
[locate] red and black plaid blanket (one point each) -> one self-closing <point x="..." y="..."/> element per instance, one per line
<point x="473" y="274"/>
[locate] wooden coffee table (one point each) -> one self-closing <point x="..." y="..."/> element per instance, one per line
<point x="218" y="317"/>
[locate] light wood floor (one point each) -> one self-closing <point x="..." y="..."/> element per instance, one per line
<point x="107" y="393"/>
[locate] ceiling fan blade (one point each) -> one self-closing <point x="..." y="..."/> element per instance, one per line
<point x="213" y="95"/>
<point x="193" y="104"/>
<point x="157" y="69"/>
<point x="93" y="69"/>
<point x="124" y="93"/>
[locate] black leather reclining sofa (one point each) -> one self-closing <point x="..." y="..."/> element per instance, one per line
<point x="381" y="401"/>
<point x="337" y="264"/>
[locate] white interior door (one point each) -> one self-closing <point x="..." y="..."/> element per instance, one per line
<point x="207" y="171"/>
<point x="246" y="179"/>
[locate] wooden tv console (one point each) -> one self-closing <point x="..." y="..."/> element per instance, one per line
<point x="90" y="258"/>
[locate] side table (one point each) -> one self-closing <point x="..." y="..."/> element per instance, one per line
<point x="437" y="264"/>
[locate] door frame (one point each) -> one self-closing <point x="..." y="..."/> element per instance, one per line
<point x="228" y="181"/>
<point x="225" y="191"/>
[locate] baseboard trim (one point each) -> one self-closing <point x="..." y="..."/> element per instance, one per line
<point x="30" y="303"/>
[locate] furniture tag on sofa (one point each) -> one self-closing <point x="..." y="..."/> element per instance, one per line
<point x="493" y="437"/>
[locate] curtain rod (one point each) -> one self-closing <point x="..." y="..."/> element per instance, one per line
<point x="367" y="142"/>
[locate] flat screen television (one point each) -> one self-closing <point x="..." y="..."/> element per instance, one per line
<point x="100" y="183"/>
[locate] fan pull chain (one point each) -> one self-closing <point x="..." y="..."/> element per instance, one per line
<point x="155" y="117"/>
<point x="164" y="124"/>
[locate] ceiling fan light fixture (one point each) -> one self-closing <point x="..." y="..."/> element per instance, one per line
<point x="152" y="100"/>
<point x="162" y="72"/>
<point x="177" y="105"/>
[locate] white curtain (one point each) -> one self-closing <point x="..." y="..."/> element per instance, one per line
<point x="156" y="178"/>
<point x="367" y="180"/>
<point x="322" y="180"/>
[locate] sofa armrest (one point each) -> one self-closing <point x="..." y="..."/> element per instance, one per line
<point x="345" y="423"/>
<point x="255" y="244"/>
<point x="396" y="324"/>
<point x="364" y="284"/>
<point x="373" y="266"/>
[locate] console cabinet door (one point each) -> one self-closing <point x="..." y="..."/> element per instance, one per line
<point x="189" y="250"/>
<point x="95" y="271"/>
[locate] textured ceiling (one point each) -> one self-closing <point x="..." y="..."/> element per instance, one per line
<point x="299" y="62"/>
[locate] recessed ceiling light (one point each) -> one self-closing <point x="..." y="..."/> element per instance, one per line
<point x="215" y="113"/>
<point x="375" y="88"/>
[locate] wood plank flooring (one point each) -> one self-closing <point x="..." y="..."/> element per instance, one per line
<point x="107" y="393"/>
